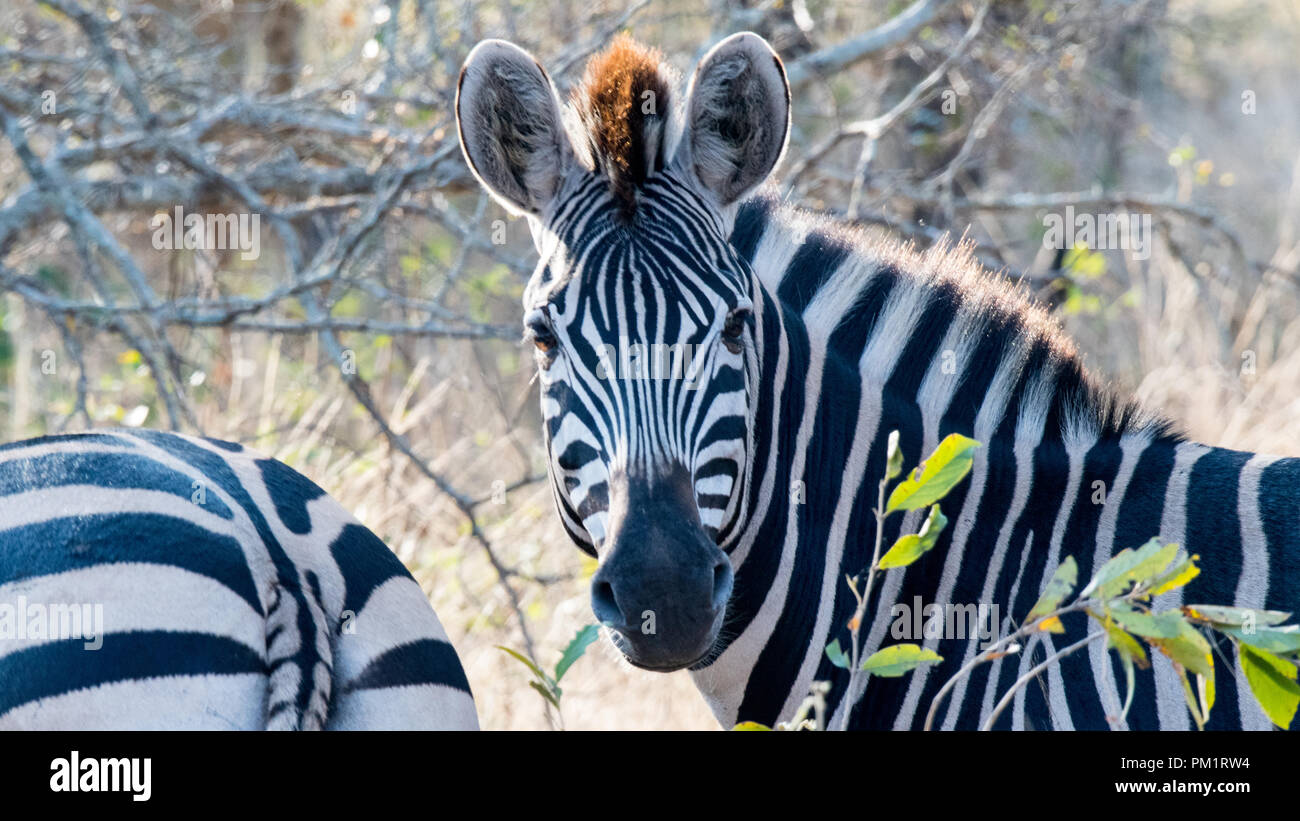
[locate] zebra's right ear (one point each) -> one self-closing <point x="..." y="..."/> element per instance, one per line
<point x="511" y="129"/>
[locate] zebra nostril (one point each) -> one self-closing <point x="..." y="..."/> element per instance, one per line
<point x="605" y="605"/>
<point x="722" y="579"/>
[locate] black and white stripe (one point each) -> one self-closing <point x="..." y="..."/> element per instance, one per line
<point x="1050" y="437"/>
<point x="682" y="397"/>
<point x="776" y="456"/>
<point x="234" y="594"/>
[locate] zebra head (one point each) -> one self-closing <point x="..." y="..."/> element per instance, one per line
<point x="639" y="310"/>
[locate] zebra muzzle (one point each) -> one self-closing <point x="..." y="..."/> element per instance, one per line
<point x="662" y="588"/>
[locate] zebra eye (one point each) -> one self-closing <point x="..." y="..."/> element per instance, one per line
<point x="734" y="329"/>
<point x="542" y="337"/>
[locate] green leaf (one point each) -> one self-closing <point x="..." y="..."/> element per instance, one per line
<point x="893" y="662"/>
<point x="751" y="726"/>
<point x="527" y="662"/>
<point x="1153" y="559"/>
<point x="1206" y="687"/>
<point x="1273" y="681"/>
<point x="911" y="547"/>
<point x="894" y="462"/>
<point x="836" y="655"/>
<point x="1193" y="703"/>
<point x="1127" y="661"/>
<point x="1128" y="647"/>
<point x="1182" y="573"/>
<point x="581" y="641"/>
<point x="1281" y="640"/>
<point x="1084" y="262"/>
<point x="1167" y="625"/>
<point x="1063" y="581"/>
<point x="1130" y="566"/>
<point x="1234" y="616"/>
<point x="904" y="551"/>
<point x="552" y="697"/>
<point x="944" y="468"/>
<point x="1189" y="648"/>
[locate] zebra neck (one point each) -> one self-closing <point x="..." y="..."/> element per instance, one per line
<point x="851" y="348"/>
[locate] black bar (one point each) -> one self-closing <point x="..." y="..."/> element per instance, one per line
<point x="528" y="770"/>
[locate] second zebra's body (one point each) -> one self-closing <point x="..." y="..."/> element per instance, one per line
<point x="158" y="581"/>
<point x="720" y="374"/>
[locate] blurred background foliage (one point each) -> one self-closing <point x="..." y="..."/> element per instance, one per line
<point x="373" y="344"/>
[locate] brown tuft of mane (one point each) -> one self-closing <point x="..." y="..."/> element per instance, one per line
<point x="624" y="125"/>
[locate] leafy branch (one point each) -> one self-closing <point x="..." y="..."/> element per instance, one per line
<point x="548" y="685"/>
<point x="929" y="482"/>
<point x="925" y="486"/>
<point x="1119" y="599"/>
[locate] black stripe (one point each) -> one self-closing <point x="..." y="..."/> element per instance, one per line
<point x="1214" y="532"/>
<point x="777" y="666"/>
<point x="849" y="339"/>
<point x="896" y="414"/>
<point x="1080" y="541"/>
<point x="1214" y="526"/>
<point x="1139" y="520"/>
<point x="1279" y="484"/>
<point x="751" y="222"/>
<point x="117" y="471"/>
<point x="426" y="661"/>
<point x="72" y="543"/>
<point x="60" y="667"/>
<point x="754" y="577"/>
<point x="233" y="447"/>
<point x="365" y="562"/>
<point x="1046" y="495"/>
<point x="290" y="491"/>
<point x="812" y="266"/>
<point x="901" y="412"/>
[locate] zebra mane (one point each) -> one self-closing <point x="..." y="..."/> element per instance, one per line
<point x="985" y="305"/>
<point x="623" y="107"/>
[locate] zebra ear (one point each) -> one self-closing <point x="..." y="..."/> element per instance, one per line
<point x="737" y="117"/>
<point x="511" y="128"/>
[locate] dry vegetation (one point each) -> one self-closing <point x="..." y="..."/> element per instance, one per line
<point x="332" y="119"/>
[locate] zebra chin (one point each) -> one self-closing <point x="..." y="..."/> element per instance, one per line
<point x="651" y="656"/>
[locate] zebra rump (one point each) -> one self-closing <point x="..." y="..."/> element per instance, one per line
<point x="150" y="580"/>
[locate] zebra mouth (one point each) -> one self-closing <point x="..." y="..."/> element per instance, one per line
<point x="670" y="668"/>
<point x="641" y="662"/>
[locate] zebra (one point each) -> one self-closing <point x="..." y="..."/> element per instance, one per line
<point x="159" y="581"/>
<point x="726" y="506"/>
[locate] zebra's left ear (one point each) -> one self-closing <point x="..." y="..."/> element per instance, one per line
<point x="737" y="117"/>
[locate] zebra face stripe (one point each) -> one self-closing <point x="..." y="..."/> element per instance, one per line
<point x="644" y="347"/>
<point x="642" y="337"/>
